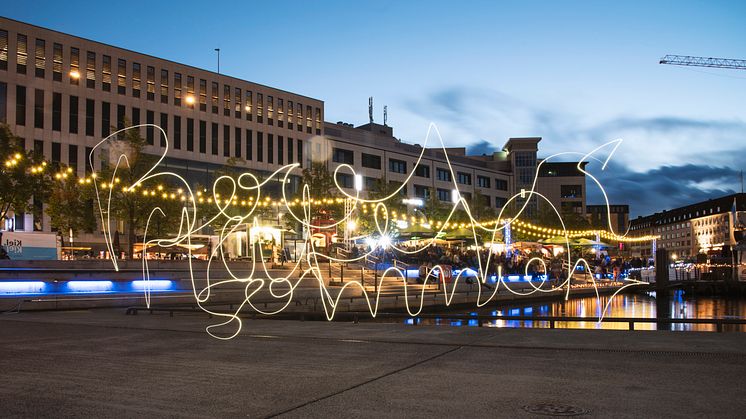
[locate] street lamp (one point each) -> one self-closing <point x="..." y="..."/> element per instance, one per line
<point x="189" y="100"/>
<point x="74" y="74"/>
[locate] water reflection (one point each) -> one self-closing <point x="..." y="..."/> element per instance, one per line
<point x="676" y="306"/>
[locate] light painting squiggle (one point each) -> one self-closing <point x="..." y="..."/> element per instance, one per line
<point x="283" y="287"/>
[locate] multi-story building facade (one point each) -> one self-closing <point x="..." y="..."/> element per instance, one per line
<point x="698" y="228"/>
<point x="562" y="183"/>
<point x="598" y="216"/>
<point x="377" y="154"/>
<point x="63" y="94"/>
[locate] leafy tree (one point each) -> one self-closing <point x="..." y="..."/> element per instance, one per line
<point x="435" y="210"/>
<point x="320" y="181"/>
<point x="24" y="175"/>
<point x="223" y="191"/>
<point x="546" y="217"/>
<point x="70" y="205"/>
<point x="480" y="207"/>
<point x="382" y="189"/>
<point x="321" y="186"/>
<point x="134" y="206"/>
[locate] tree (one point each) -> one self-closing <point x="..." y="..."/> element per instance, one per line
<point x="319" y="180"/>
<point x="70" y="205"/>
<point x="224" y="188"/>
<point x="480" y="207"/>
<point x="435" y="210"/>
<point x="382" y="189"/>
<point x="546" y="217"/>
<point x="321" y="186"/>
<point x="134" y="205"/>
<point x="24" y="175"/>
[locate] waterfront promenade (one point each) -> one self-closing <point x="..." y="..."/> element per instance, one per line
<point x="101" y="363"/>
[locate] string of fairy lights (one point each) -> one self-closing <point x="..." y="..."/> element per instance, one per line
<point x="520" y="226"/>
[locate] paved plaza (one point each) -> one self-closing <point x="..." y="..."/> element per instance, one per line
<point x="101" y="363"/>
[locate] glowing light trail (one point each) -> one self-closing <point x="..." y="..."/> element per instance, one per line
<point x="282" y="287"/>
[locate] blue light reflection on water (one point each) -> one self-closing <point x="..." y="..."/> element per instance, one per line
<point x="627" y="305"/>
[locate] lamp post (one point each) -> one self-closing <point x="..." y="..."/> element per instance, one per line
<point x="351" y="225"/>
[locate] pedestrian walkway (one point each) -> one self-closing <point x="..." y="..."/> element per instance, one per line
<point x="103" y="363"/>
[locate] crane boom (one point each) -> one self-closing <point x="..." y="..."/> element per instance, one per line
<point x="704" y="62"/>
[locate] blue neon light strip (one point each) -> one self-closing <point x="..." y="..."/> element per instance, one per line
<point x="33" y="287"/>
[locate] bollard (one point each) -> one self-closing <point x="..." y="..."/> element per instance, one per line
<point x="631" y="325"/>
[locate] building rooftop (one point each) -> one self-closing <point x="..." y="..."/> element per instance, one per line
<point x="710" y="207"/>
<point x="215" y="74"/>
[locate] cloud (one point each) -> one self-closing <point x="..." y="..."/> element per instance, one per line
<point x="664" y="161"/>
<point x="481" y="147"/>
<point x="480" y="116"/>
<point x="661" y="188"/>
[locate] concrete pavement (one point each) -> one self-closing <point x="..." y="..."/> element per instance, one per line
<point x="102" y="363"/>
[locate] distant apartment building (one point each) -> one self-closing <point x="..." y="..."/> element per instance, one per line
<point x="686" y="231"/>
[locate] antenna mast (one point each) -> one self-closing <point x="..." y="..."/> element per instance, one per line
<point x="370" y="109"/>
<point x="386" y="118"/>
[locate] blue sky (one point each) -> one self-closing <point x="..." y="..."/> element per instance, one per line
<point x="577" y="73"/>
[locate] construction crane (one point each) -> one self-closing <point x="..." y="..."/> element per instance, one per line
<point x="687" y="60"/>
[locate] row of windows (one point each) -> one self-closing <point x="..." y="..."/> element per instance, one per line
<point x="571" y="191"/>
<point x="675" y="235"/>
<point x="74" y="157"/>
<point x="372" y="161"/>
<point x="287" y="149"/>
<point x="182" y="90"/>
<point x="674" y="227"/>
<point x="676" y="244"/>
<point x="420" y="191"/>
<point x="690" y="215"/>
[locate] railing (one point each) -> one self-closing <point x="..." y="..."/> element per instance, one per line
<point x="553" y="320"/>
<point x="374" y="261"/>
<point x="403" y="266"/>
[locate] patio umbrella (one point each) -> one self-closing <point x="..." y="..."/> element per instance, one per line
<point x="416" y="232"/>
<point x="589" y="242"/>
<point x="559" y="240"/>
<point x="460" y="234"/>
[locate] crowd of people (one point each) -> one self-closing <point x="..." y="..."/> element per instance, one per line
<point x="601" y="264"/>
